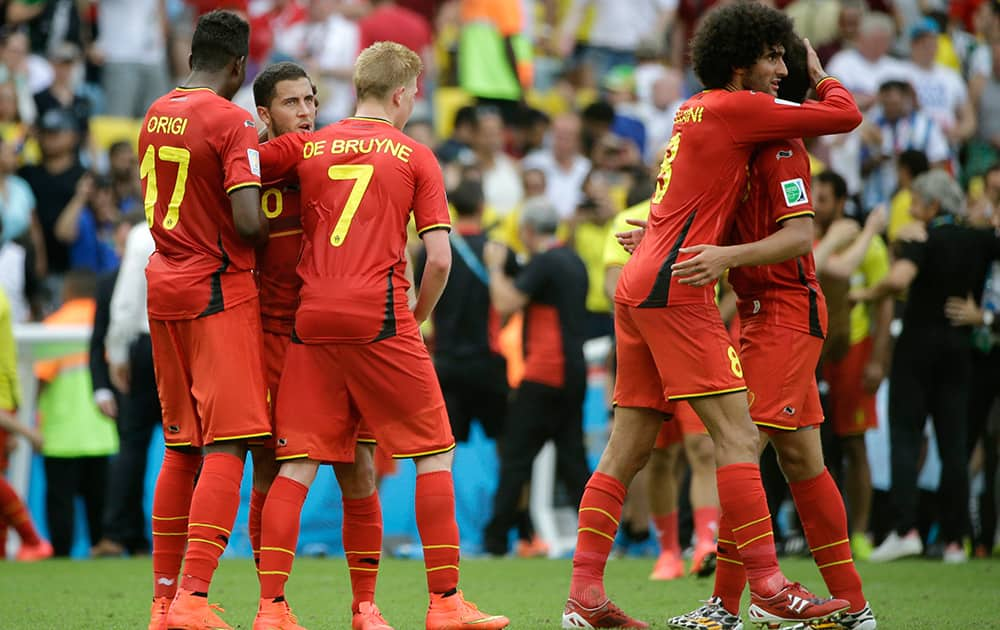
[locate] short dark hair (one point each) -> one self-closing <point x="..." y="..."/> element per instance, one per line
<point x="220" y="37"/>
<point x="600" y="112"/>
<point x="914" y="161"/>
<point x="465" y="115"/>
<point x="120" y="145"/>
<point x="79" y="283"/>
<point x="796" y="85"/>
<point x="897" y="85"/>
<point x="266" y="83"/>
<point x="734" y="36"/>
<point x="835" y="181"/>
<point x="467" y="197"/>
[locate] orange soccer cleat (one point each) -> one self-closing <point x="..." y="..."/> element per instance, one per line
<point x="369" y="617"/>
<point x="669" y="566"/>
<point x="275" y="615"/>
<point x="192" y="612"/>
<point x="454" y="613"/>
<point x="33" y="553"/>
<point x="158" y="613"/>
<point x="607" y="615"/>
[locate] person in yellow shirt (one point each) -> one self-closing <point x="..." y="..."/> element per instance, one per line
<point x="909" y="164"/>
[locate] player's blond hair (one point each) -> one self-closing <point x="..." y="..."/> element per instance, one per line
<point x="383" y="67"/>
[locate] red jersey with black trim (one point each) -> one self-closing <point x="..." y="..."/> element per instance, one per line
<point x="276" y="261"/>
<point x="704" y="175"/>
<point x="196" y="147"/>
<point x="786" y="293"/>
<point x="360" y="179"/>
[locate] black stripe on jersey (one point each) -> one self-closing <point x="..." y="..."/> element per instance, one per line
<point x="815" y="328"/>
<point x="660" y="293"/>
<point x="389" y="320"/>
<point x="216" y="303"/>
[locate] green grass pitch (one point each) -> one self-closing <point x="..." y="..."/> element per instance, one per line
<point x="112" y="594"/>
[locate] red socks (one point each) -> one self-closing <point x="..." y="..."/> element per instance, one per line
<point x="214" y="504"/>
<point x="600" y="512"/>
<point x="742" y="497"/>
<point x="253" y="523"/>
<point x="666" y="532"/>
<point x="279" y="534"/>
<point x="14" y="512"/>
<point x="730" y="578"/>
<point x="706" y="525"/>
<point x="435" y="508"/>
<point x="171" y="503"/>
<point x="824" y="520"/>
<point x="362" y="532"/>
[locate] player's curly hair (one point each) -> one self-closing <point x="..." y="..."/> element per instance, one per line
<point x="796" y="85"/>
<point x="220" y="37"/>
<point x="734" y="36"/>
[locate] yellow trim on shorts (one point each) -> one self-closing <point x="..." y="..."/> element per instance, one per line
<point x="437" y="452"/>
<point x="165" y="443"/>
<point x="288" y="457"/>
<point x="250" y="436"/>
<point x="776" y="426"/>
<point x="719" y="392"/>
<point x="367" y="441"/>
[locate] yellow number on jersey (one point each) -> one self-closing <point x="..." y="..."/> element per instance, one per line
<point x="362" y="176"/>
<point x="734" y="362"/>
<point x="147" y="171"/>
<point x="279" y="203"/>
<point x="666" y="167"/>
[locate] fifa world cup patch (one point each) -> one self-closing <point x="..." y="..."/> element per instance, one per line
<point x="253" y="156"/>
<point x="794" y="191"/>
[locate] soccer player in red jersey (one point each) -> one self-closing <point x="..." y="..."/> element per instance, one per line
<point x="356" y="348"/>
<point x="661" y="324"/>
<point x="201" y="179"/>
<point x="286" y="102"/>
<point x="783" y="322"/>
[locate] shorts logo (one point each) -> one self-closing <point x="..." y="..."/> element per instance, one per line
<point x="174" y="428"/>
<point x="794" y="191"/>
<point x="756" y="306"/>
<point x="282" y="442"/>
<point x="788" y="411"/>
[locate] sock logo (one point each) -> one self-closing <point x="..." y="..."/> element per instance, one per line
<point x="797" y="604"/>
<point x="165" y="582"/>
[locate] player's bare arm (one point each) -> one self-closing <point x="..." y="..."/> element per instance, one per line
<point x="842" y="264"/>
<point x="899" y="278"/>
<point x="504" y="296"/>
<point x="436" y="271"/>
<point x="251" y="224"/>
<point x="710" y="261"/>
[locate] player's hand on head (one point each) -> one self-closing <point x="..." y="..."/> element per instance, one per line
<point x="816" y="72"/>
<point x="494" y="255"/>
<point x="707" y="264"/>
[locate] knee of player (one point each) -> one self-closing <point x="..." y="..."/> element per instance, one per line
<point x="662" y="462"/>
<point x="700" y="451"/>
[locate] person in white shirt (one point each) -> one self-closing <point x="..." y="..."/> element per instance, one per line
<point x="563" y="164"/>
<point x="658" y="114"/>
<point x="330" y="41"/>
<point x="502" y="187"/>
<point x="864" y="68"/>
<point x="941" y="92"/>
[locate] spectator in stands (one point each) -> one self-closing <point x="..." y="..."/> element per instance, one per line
<point x="658" y="114"/>
<point x="78" y="438"/>
<point x="58" y="23"/>
<point x="63" y="93"/>
<point x="131" y="48"/>
<point x="17" y="202"/>
<point x="388" y="21"/>
<point x="909" y="165"/>
<point x="848" y="27"/>
<point x="54" y="183"/>
<point x="493" y="54"/>
<point x="984" y="148"/>
<point x="865" y="67"/>
<point x="896" y="124"/>
<point x="462" y="133"/>
<point x="123" y="169"/>
<point x="941" y="92"/>
<point x="10" y="117"/>
<point x="15" y="69"/>
<point x="130" y="358"/>
<point x="548" y="404"/>
<point x="90" y="224"/>
<point x="331" y="43"/>
<point x="932" y="361"/>
<point x="590" y="225"/>
<point x="563" y="164"/>
<point x="501" y="173"/>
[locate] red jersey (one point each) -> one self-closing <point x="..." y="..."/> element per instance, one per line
<point x="360" y="179"/>
<point x="786" y="293"/>
<point x="704" y="173"/>
<point x="276" y="261"/>
<point x="196" y="148"/>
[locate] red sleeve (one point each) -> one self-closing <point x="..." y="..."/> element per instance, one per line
<point x="279" y="157"/>
<point x="755" y="117"/>
<point x="430" y="205"/>
<point x="238" y="150"/>
<point x="786" y="171"/>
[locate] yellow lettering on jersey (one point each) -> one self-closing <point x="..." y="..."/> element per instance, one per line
<point x="689" y="115"/>
<point x="167" y="124"/>
<point x="266" y="203"/>
<point x="312" y="149"/>
<point x="398" y="150"/>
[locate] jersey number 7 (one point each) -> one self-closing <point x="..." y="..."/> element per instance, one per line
<point x="362" y="176"/>
<point x="147" y="171"/>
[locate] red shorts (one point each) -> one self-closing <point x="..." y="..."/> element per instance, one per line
<point x="391" y="383"/>
<point x="671" y="354"/>
<point x="684" y="422"/>
<point x="275" y="350"/>
<point x="781" y="376"/>
<point x="210" y="377"/>
<point x="852" y="409"/>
